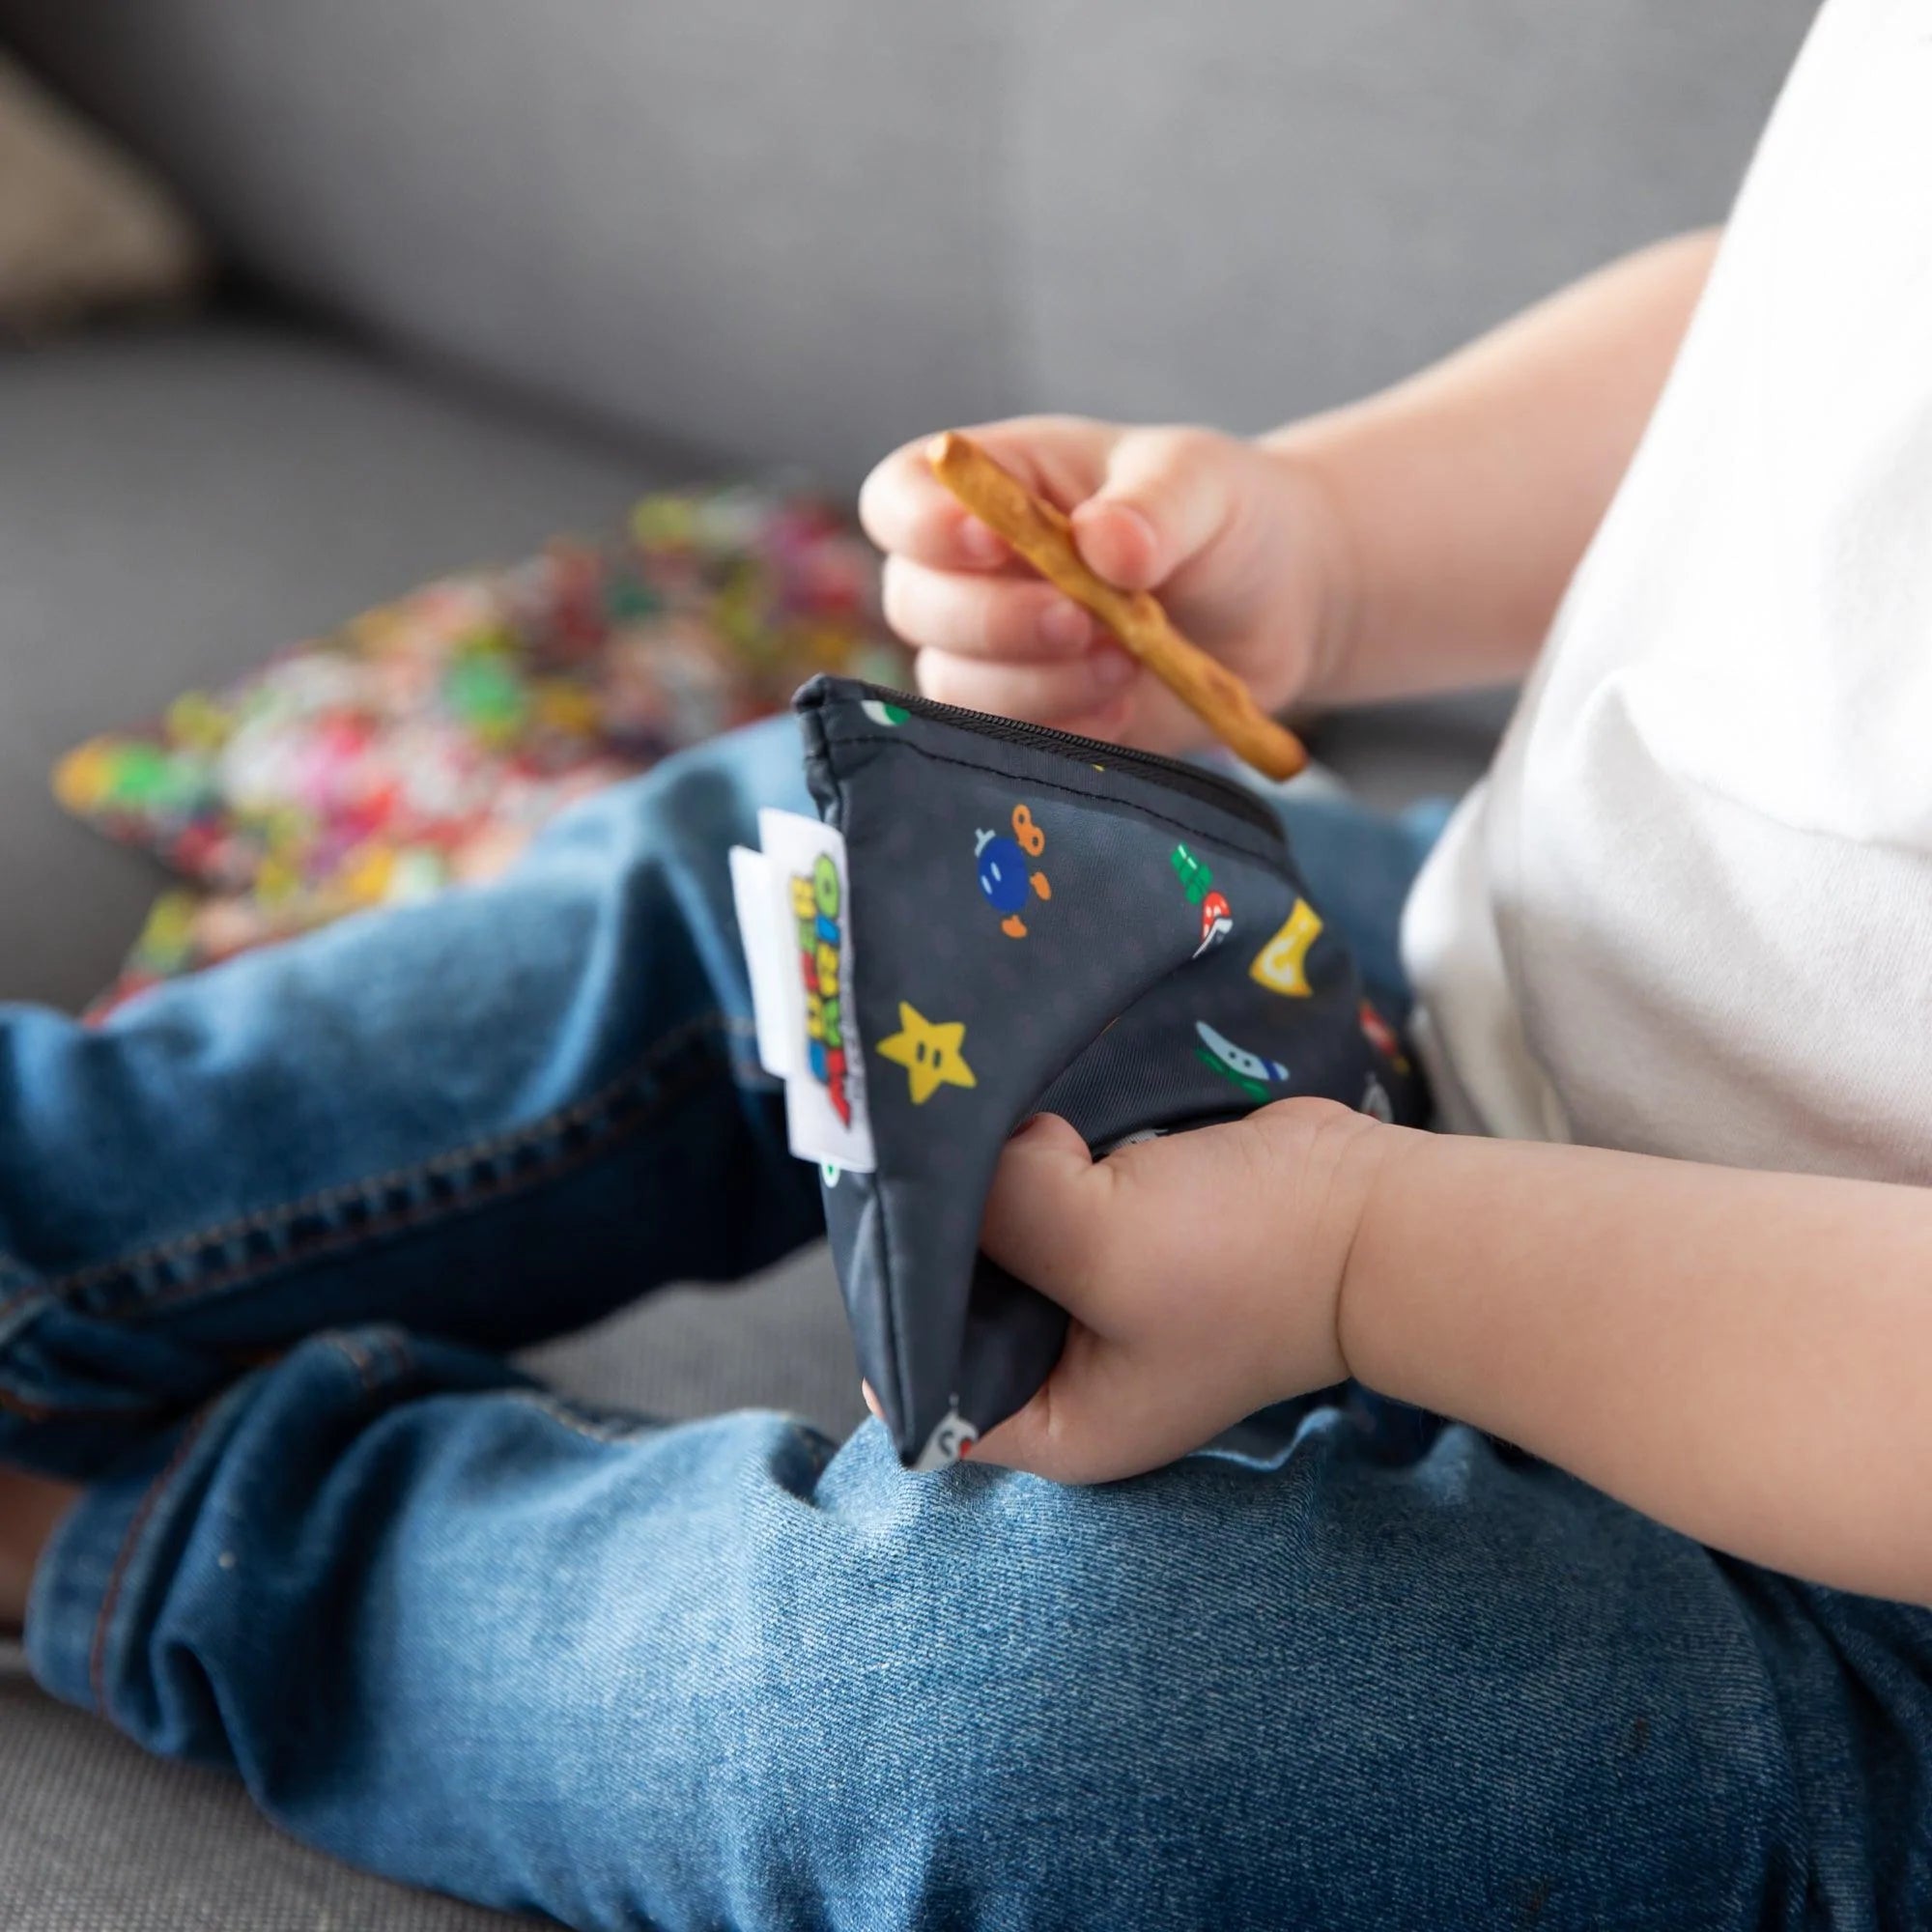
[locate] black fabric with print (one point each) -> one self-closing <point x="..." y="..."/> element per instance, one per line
<point x="1061" y="900"/>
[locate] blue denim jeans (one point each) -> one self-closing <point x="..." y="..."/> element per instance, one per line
<point x="265" y="1238"/>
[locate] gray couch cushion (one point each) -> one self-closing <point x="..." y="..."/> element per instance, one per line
<point x="175" y="506"/>
<point x="810" y="231"/>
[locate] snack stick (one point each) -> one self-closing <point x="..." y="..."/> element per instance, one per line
<point x="1042" y="535"/>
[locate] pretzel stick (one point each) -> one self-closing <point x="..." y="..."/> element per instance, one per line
<point x="1042" y="535"/>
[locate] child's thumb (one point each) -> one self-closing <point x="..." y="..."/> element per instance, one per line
<point x="1046" y="1216"/>
<point x="1103" y="1414"/>
<point x="1167" y="496"/>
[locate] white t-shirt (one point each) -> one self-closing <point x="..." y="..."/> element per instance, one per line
<point x="1689" y="911"/>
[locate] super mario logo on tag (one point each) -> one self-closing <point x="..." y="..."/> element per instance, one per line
<point x="818" y="903"/>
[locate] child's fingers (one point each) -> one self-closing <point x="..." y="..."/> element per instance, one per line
<point x="1062" y="1222"/>
<point x="980" y="615"/>
<point x="1107" y="1239"/>
<point x="1168" y="494"/>
<point x="1051" y="1214"/>
<point x="908" y="512"/>
<point x="1104" y="1413"/>
<point x="1047" y="694"/>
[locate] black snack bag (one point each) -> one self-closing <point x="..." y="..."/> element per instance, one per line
<point x="1042" y="922"/>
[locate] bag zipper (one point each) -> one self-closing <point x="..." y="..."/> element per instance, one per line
<point x="1205" y="787"/>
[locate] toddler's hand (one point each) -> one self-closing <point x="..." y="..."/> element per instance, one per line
<point x="1203" y="1273"/>
<point x="1237" y="540"/>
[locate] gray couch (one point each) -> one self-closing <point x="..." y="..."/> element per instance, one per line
<point x="499" y="266"/>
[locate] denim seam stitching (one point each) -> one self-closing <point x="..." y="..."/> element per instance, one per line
<point x="566" y="1417"/>
<point x="30" y="1411"/>
<point x="412" y="1215"/>
<point x="359" y="1359"/>
<point x="395" y="1345"/>
<point x="398" y="1360"/>
<point x="110" y="1599"/>
<point x="239" y="1279"/>
<point x="267" y="1219"/>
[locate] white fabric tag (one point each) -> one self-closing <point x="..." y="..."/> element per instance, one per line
<point x="755" y="892"/>
<point x="800" y="954"/>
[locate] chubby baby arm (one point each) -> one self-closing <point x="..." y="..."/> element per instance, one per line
<point x="1744" y="1357"/>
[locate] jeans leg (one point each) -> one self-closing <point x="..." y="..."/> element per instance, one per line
<point x="715" y="1674"/>
<point x="492" y="1118"/>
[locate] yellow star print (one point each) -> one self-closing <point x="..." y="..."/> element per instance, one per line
<point x="930" y="1054"/>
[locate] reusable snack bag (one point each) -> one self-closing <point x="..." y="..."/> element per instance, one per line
<point x="996" y="919"/>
